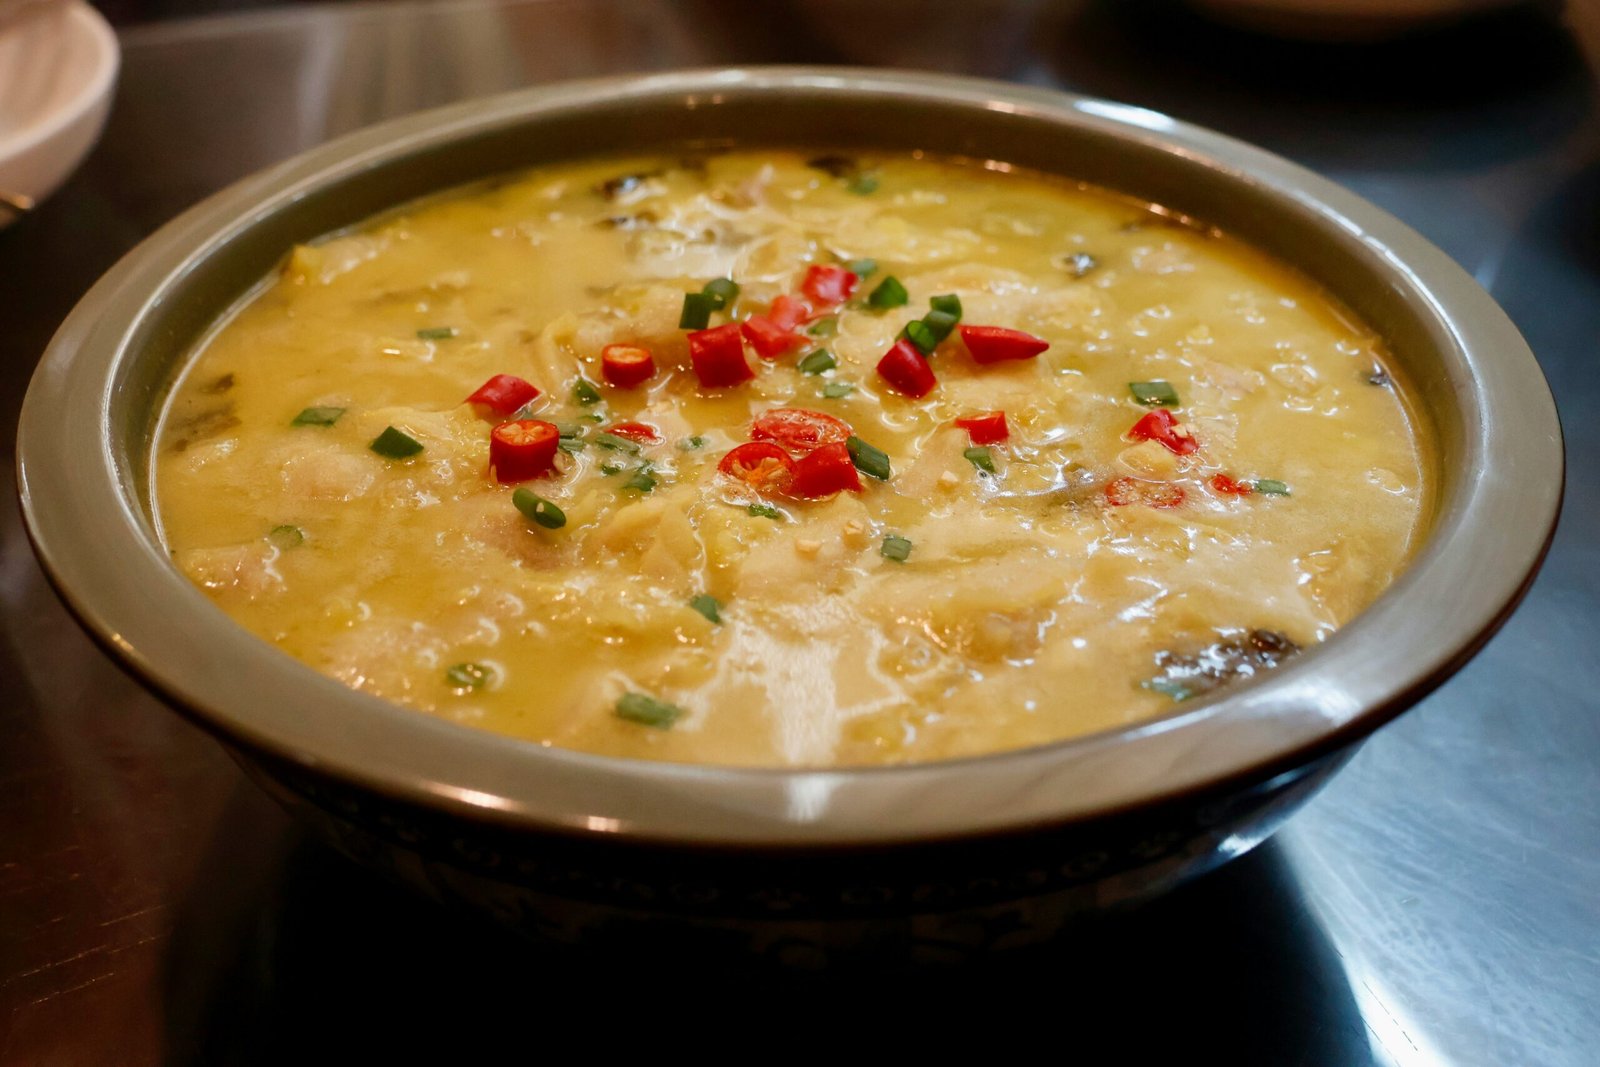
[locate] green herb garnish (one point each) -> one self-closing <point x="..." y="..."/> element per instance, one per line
<point x="317" y="417"/>
<point x="837" y="390"/>
<point x="940" y="323"/>
<point x="394" y="444"/>
<point x="1271" y="487"/>
<point x="1154" y="394"/>
<point x="691" y="444"/>
<point x="570" y="446"/>
<point x="868" y="459"/>
<point x="824" y="327"/>
<point x="437" y="333"/>
<point x="468" y="675"/>
<point x="764" y="511"/>
<point x="862" y="268"/>
<point x="584" y="392"/>
<point x="642" y="481"/>
<point x="539" y="509"/>
<point x="721" y="291"/>
<point x="697" y="309"/>
<point x="889" y="294"/>
<point x="617" y="444"/>
<point x="980" y="457"/>
<point x="896" y="548"/>
<point x="817" y="362"/>
<point x="647" y="711"/>
<point x="949" y="304"/>
<point x="286" y="537"/>
<point x="917" y="332"/>
<point x="708" y="606"/>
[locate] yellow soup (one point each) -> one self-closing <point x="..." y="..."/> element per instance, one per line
<point x="1205" y="465"/>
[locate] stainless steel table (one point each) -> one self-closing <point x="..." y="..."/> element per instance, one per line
<point x="1439" y="904"/>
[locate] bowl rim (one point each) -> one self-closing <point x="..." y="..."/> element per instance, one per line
<point x="1465" y="581"/>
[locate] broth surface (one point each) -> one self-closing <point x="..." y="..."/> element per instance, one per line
<point x="1090" y="580"/>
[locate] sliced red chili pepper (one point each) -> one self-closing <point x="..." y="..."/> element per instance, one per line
<point x="504" y="393"/>
<point x="828" y="285"/>
<point x="789" y="312"/>
<point x="799" y="429"/>
<point x="991" y="344"/>
<point x="761" y="465"/>
<point x="768" y="338"/>
<point x="905" y="369"/>
<point x="824" y="472"/>
<point x="986" y="429"/>
<point x="718" y="356"/>
<point x="636" y="431"/>
<point x="1163" y="426"/>
<point x="625" y="366"/>
<point x="1121" y="491"/>
<point x="1223" y="484"/>
<point x="523" y="449"/>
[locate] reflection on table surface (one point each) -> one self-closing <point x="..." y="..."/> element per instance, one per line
<point x="1434" y="906"/>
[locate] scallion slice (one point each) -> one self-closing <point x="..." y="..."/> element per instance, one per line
<point x="286" y="537"/>
<point x="917" y="332"/>
<point x="697" y="309"/>
<point x="721" y="291"/>
<point x="437" y="333"/>
<point x="539" y="509"/>
<point x="612" y="468"/>
<point x="868" y="460"/>
<point x="948" y="303"/>
<point x="862" y="268"/>
<point x="824" y="327"/>
<point x="642" y="481"/>
<point x="980" y="457"/>
<point x="317" y="417"/>
<point x="569" y="429"/>
<point x="1154" y="394"/>
<point x="708" y="606"/>
<point x="837" y="390"/>
<point x="570" y="445"/>
<point x="889" y="294"/>
<point x="817" y="362"/>
<point x="764" y="511"/>
<point x="395" y="444"/>
<point x="896" y="548"/>
<point x="1271" y="487"/>
<point x="617" y="444"/>
<point x="940" y="323"/>
<point x="692" y="444"/>
<point x="584" y="392"/>
<point x="647" y="710"/>
<point x="468" y="675"/>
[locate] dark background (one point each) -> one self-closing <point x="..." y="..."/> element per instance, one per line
<point x="1436" y="905"/>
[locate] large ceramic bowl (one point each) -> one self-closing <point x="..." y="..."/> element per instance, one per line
<point x="941" y="858"/>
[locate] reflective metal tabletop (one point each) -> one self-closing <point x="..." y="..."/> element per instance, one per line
<point x="1438" y="904"/>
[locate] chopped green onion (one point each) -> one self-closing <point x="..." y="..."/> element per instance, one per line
<point x="642" y="480"/>
<point x="868" y="460"/>
<point x="393" y="444"/>
<point x="437" y="333"/>
<point x="612" y="468"/>
<point x="708" y="606"/>
<point x="837" y="390"/>
<point x="584" y="392"/>
<point x="917" y="332"/>
<point x="896" y="548"/>
<point x="948" y="304"/>
<point x="571" y="446"/>
<point x="647" y="711"/>
<point x="824" y="327"/>
<point x="691" y="444"/>
<point x="889" y="294"/>
<point x="1175" y="690"/>
<point x="765" y="511"/>
<point x="617" y="444"/>
<point x="569" y="429"/>
<point x="940" y="323"/>
<point x="721" y="291"/>
<point x="317" y="417"/>
<point x="697" y="309"/>
<point x="862" y="268"/>
<point x="980" y="457"/>
<point x="817" y="362"/>
<point x="1154" y="394"/>
<point x="863" y="184"/>
<point x="468" y="675"/>
<point x="1271" y="487"/>
<point x="592" y="418"/>
<point x="539" y="509"/>
<point x="286" y="537"/>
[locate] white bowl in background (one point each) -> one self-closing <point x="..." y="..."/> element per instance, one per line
<point x="58" y="66"/>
